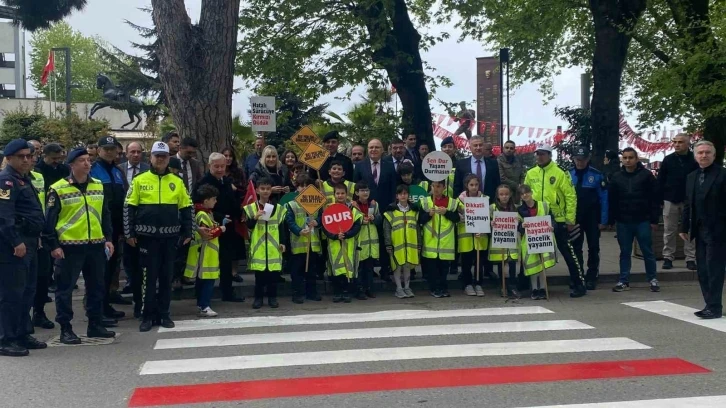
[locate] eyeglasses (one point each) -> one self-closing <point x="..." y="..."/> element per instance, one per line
<point x="24" y="156"/>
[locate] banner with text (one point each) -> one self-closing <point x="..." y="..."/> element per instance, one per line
<point x="264" y="118"/>
<point x="539" y="234"/>
<point x="504" y="230"/>
<point x="476" y="215"/>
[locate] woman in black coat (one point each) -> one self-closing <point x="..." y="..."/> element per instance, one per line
<point x="270" y="167"/>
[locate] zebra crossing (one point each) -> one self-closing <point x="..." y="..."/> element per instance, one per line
<point x="536" y="331"/>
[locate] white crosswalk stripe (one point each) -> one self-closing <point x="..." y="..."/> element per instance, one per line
<point x="718" y="401"/>
<point x="678" y="312"/>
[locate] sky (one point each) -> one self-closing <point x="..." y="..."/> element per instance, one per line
<point x="457" y="61"/>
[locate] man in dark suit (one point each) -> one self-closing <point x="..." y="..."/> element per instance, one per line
<point x="381" y="178"/>
<point x="133" y="165"/>
<point x="192" y="170"/>
<point x="704" y="219"/>
<point x="411" y="152"/>
<point x="486" y="169"/>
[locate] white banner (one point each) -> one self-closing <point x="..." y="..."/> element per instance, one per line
<point x="264" y="118"/>
<point x="539" y="234"/>
<point x="504" y="230"/>
<point x="476" y="215"/>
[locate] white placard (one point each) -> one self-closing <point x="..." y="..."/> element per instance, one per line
<point x="268" y="212"/>
<point x="504" y="230"/>
<point x="476" y="215"/>
<point x="264" y="118"/>
<point x="436" y="166"/>
<point x="539" y="234"/>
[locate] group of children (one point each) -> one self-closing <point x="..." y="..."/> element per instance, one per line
<point x="429" y="233"/>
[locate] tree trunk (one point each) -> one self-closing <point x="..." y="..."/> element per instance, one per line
<point x="196" y="66"/>
<point x="399" y="54"/>
<point x="612" y="20"/>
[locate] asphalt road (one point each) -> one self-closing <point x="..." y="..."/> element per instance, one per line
<point x="108" y="375"/>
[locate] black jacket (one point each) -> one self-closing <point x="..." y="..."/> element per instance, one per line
<point x="52" y="174"/>
<point x="278" y="180"/>
<point x="634" y="197"/>
<point x="347" y="167"/>
<point x="715" y="211"/>
<point x="228" y="200"/>
<point x="672" y="176"/>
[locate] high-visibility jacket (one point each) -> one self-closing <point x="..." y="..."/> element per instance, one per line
<point x="157" y="205"/>
<point x="203" y="257"/>
<point x="536" y="263"/>
<point x="265" y="240"/>
<point x="405" y="235"/>
<point x="501" y="254"/>
<point x="439" y="234"/>
<point x="466" y="242"/>
<point x="80" y="217"/>
<point x="300" y="243"/>
<point x="554" y="186"/>
<point x="449" y="190"/>
<point x="368" y="235"/>
<point x="39" y="185"/>
<point x="329" y="191"/>
<point x="342" y="258"/>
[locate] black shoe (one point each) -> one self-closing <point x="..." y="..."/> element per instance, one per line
<point x="108" y="322"/>
<point x="370" y="294"/>
<point x="96" y="330"/>
<point x="31" y="343"/>
<point x="337" y="298"/>
<point x="709" y="314"/>
<point x="116" y="299"/>
<point x="238" y="278"/>
<point x="578" y="292"/>
<point x="299" y="300"/>
<point x="347" y="298"/>
<point x="691" y="266"/>
<point x="156" y="322"/>
<point x="41" y="320"/>
<point x="316" y="297"/>
<point x="137" y="311"/>
<point x="257" y="303"/>
<point x="113" y="313"/>
<point x="146" y="325"/>
<point x="67" y="336"/>
<point x="127" y="290"/>
<point x="167" y="323"/>
<point x="48" y="299"/>
<point x="281" y="279"/>
<point x="272" y="302"/>
<point x="361" y="296"/>
<point x="445" y="293"/>
<point x="52" y="288"/>
<point x="436" y="294"/>
<point x="699" y="313"/>
<point x="514" y="294"/>
<point x="233" y="299"/>
<point x="667" y="264"/>
<point x="10" y="349"/>
<point x="590" y="285"/>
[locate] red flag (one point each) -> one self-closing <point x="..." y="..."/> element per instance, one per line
<point x="250" y="197"/>
<point x="49" y="67"/>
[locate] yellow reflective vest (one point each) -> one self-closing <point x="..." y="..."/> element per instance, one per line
<point x="368" y="235"/>
<point x="80" y="217"/>
<point x="536" y="263"/>
<point x="39" y="185"/>
<point x="342" y="259"/>
<point x="265" y="240"/>
<point x="465" y="242"/>
<point x="329" y="191"/>
<point x="203" y="258"/>
<point x="554" y="186"/>
<point x="300" y="243"/>
<point x="501" y="254"/>
<point x="402" y="230"/>
<point x="439" y="235"/>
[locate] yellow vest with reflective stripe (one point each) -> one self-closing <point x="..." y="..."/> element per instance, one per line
<point x="265" y="240"/>
<point x="79" y="221"/>
<point x="449" y="190"/>
<point x="342" y="258"/>
<point x="501" y="254"/>
<point x="439" y="235"/>
<point x="39" y="184"/>
<point x="425" y="185"/>
<point x="404" y="236"/>
<point x="465" y="242"/>
<point x="300" y="243"/>
<point x="536" y="263"/>
<point x="368" y="236"/>
<point x="203" y="258"/>
<point x="329" y="191"/>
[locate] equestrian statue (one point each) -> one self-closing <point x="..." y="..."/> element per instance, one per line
<point x="120" y="99"/>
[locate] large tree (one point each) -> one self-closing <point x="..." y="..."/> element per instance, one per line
<point x="336" y="43"/>
<point x="34" y="14"/>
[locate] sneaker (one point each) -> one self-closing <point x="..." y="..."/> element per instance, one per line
<point x="654" y="287"/>
<point x="577" y="292"/>
<point x="257" y="303"/>
<point x="514" y="294"/>
<point x="346" y="298"/>
<point x="445" y="293"/>
<point x="590" y="285"/>
<point x="337" y="298"/>
<point x="469" y="291"/>
<point x="691" y="266"/>
<point x="479" y="291"/>
<point x="436" y="294"/>
<point x="667" y="264"/>
<point x="409" y="292"/>
<point x="298" y="300"/>
<point x="621" y="287"/>
<point x="207" y="312"/>
<point x="400" y="293"/>
<point x="535" y="294"/>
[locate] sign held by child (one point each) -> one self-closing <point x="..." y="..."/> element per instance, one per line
<point x="504" y="230"/>
<point x="436" y="166"/>
<point x="539" y="234"/>
<point x="476" y="215"/>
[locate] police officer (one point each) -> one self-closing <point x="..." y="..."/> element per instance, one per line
<point x="44" y="263"/>
<point x="21" y="221"/>
<point x="592" y="212"/>
<point x="157" y="219"/>
<point x="78" y="234"/>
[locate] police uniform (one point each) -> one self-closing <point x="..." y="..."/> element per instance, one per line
<point x="21" y="222"/>
<point x="44" y="263"/>
<point x="158" y="214"/>
<point x="78" y="222"/>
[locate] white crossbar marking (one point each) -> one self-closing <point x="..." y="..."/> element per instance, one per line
<point x="678" y="312"/>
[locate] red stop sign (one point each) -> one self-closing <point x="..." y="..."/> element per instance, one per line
<point x="337" y="218"/>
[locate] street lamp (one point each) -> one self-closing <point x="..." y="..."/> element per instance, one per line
<point x="503" y="59"/>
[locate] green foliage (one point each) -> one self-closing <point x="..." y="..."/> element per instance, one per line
<point x="372" y="118"/>
<point x="22" y="124"/>
<point x="69" y="131"/>
<point x="86" y="62"/>
<point x="578" y="134"/>
<point x="33" y="14"/>
<point x="243" y="138"/>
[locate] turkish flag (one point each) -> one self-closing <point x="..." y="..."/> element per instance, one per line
<point x="49" y="67"/>
<point x="250" y="197"/>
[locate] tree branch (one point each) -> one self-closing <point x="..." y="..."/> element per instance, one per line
<point x="650" y="46"/>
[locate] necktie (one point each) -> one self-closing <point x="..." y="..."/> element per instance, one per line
<point x="133" y="171"/>
<point x="375" y="172"/>
<point x="478" y="175"/>
<point x="185" y="176"/>
<point x="701" y="178"/>
<point x="395" y="165"/>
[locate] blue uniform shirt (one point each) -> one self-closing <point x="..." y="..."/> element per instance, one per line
<point x="592" y="193"/>
<point x="21" y="214"/>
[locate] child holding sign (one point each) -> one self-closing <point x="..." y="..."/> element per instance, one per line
<point x="342" y="248"/>
<point x="439" y="218"/>
<point x="534" y="263"/>
<point x="469" y="244"/>
<point x="402" y="238"/>
<point x="505" y="203"/>
<point x="367" y="239"/>
<point x="304" y="234"/>
<point x="336" y="172"/>
<point x="267" y="234"/>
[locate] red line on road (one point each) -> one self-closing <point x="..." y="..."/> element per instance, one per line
<point x="464" y="377"/>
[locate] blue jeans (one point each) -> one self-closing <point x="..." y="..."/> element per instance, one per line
<point x="204" y="291"/>
<point x="642" y="232"/>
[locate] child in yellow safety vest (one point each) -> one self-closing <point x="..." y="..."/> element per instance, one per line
<point x="402" y="237"/>
<point x="469" y="244"/>
<point x="534" y="263"/>
<point x="438" y="217"/>
<point x="406" y="173"/>
<point x="336" y="172"/>
<point x="203" y="256"/>
<point x="304" y="246"/>
<point x="342" y="248"/>
<point x="267" y="235"/>
<point x="505" y="203"/>
<point x="368" y="245"/>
